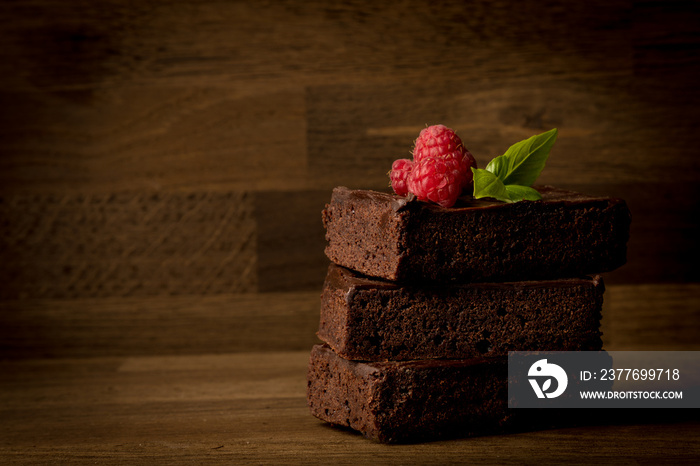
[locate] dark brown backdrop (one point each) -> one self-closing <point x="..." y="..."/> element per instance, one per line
<point x="163" y="165"/>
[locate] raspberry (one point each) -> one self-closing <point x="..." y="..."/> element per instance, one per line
<point x="460" y="165"/>
<point x="436" y="179"/>
<point x="400" y="170"/>
<point x="436" y="141"/>
<point x="440" y="169"/>
<point x="441" y="141"/>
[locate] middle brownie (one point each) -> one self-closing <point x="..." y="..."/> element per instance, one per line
<point x="374" y="320"/>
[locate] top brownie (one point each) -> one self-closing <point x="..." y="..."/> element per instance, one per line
<point x="565" y="234"/>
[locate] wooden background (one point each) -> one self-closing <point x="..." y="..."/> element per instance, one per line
<point x="163" y="164"/>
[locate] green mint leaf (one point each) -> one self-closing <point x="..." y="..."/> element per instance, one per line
<point x="517" y="193"/>
<point x="486" y="184"/>
<point x="523" y="162"/>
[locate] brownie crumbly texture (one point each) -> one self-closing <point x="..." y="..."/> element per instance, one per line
<point x="373" y="320"/>
<point x="397" y="402"/>
<point x="565" y="234"/>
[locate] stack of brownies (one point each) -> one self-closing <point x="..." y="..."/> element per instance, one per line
<point x="422" y="304"/>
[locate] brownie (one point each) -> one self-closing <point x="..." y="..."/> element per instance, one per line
<point x="565" y="234"/>
<point x="374" y="320"/>
<point x="396" y="402"/>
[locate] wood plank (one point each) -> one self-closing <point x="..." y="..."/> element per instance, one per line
<point x="129" y="244"/>
<point x="251" y="409"/>
<point x="291" y="240"/>
<point x="119" y="43"/>
<point x="651" y="317"/>
<point x="151" y="138"/>
<point x="158" y="325"/>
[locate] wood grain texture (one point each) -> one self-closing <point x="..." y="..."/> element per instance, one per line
<point x="122" y="41"/>
<point x="251" y="409"/>
<point x="127" y="245"/>
<point x="158" y="325"/>
<point x="150" y="138"/>
<point x="651" y="317"/>
<point x="291" y="240"/>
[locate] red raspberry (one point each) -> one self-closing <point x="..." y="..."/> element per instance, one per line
<point x="436" y="141"/>
<point x="440" y="170"/>
<point x="436" y="179"/>
<point x="399" y="173"/>
<point x="460" y="165"/>
<point x="441" y="141"/>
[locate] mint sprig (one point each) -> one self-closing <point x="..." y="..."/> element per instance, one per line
<point x="508" y="177"/>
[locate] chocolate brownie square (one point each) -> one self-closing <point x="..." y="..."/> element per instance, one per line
<point x="397" y="402"/>
<point x="369" y="319"/>
<point x="565" y="234"/>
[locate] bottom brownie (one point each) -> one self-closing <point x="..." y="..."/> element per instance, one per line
<point x="395" y="402"/>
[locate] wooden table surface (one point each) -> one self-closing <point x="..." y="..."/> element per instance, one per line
<point x="250" y="407"/>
